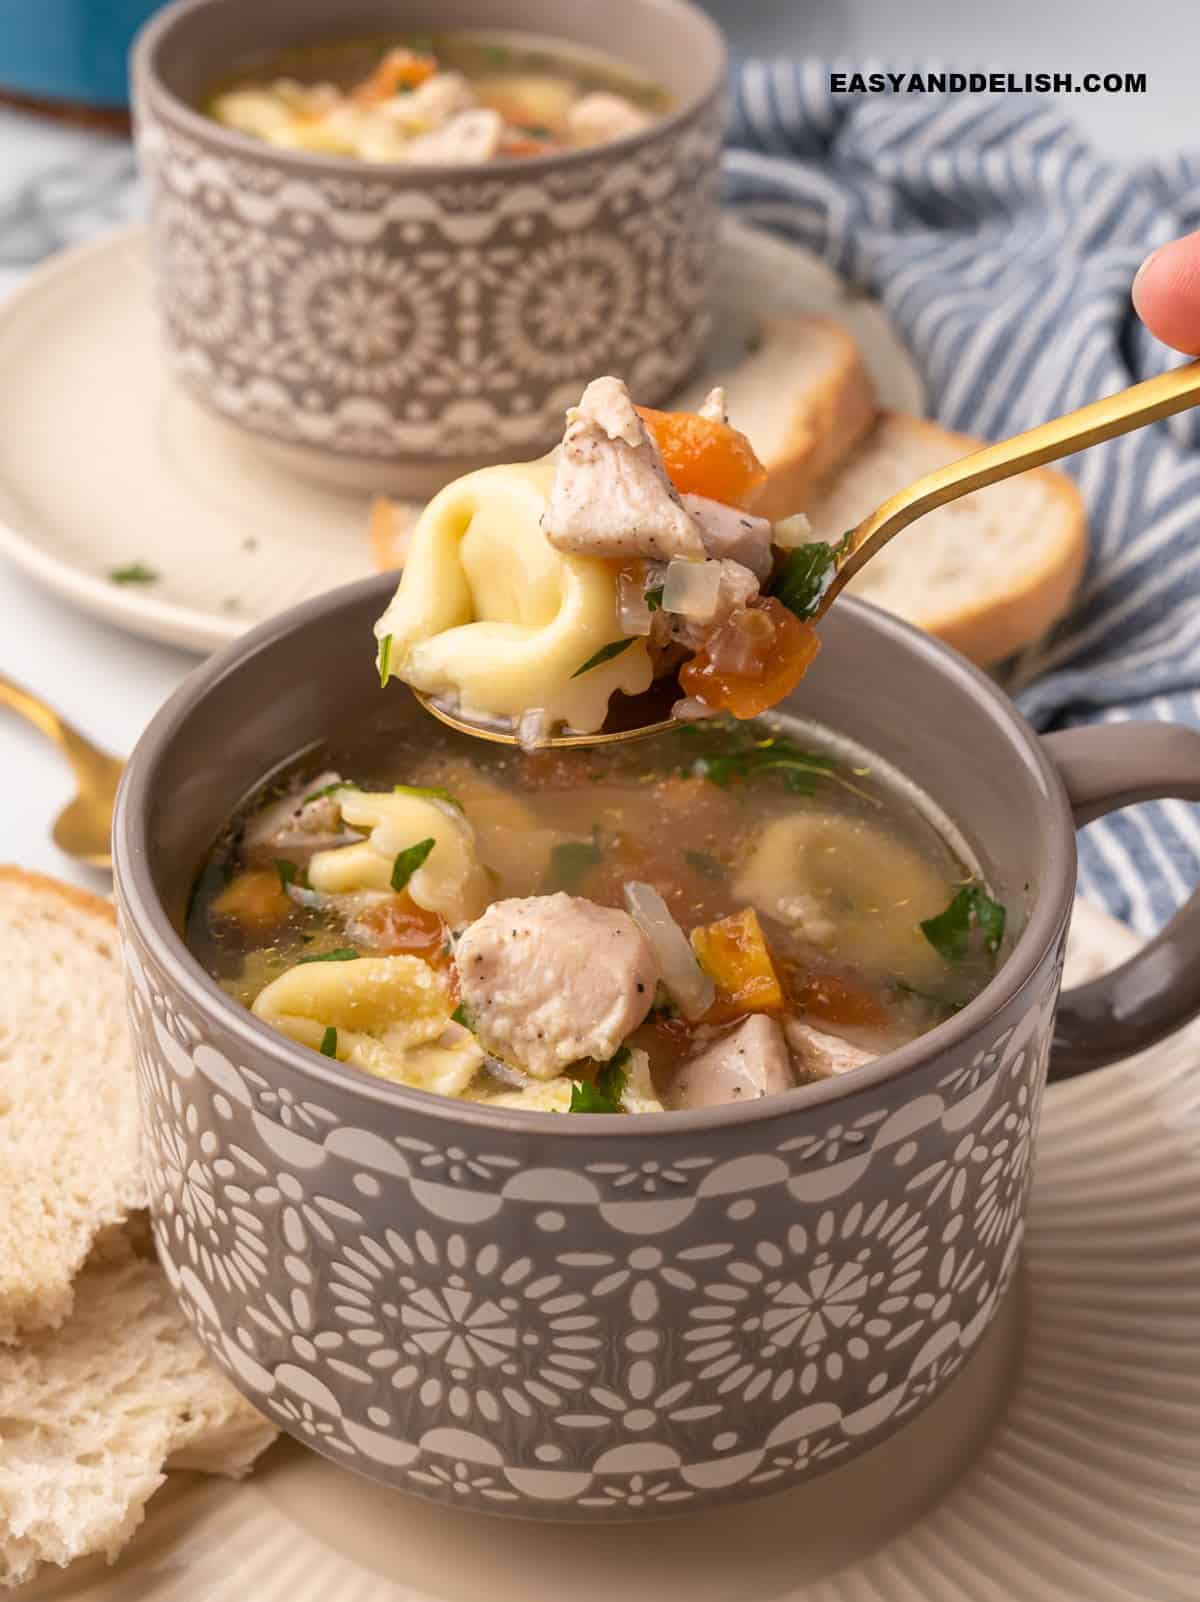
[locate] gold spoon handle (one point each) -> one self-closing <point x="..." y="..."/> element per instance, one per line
<point x="89" y="761"/>
<point x="1062" y="436"/>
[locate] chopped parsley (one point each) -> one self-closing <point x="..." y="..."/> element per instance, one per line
<point x="328" y="789"/>
<point x="433" y="792"/>
<point x="385" y="660"/>
<point x="654" y="598"/>
<point x="134" y="573"/>
<point x="602" y="1094"/>
<point x="704" y="864"/>
<point x="460" y="1015"/>
<point x="328" y="1047"/>
<point x="604" y="654"/>
<point x="727" y="753"/>
<point x="799" y="769"/>
<point x="537" y="130"/>
<point x="949" y="933"/>
<point x="940" y="1003"/>
<point x="807" y="574"/>
<point x="408" y="861"/>
<point x="495" y="55"/>
<point x="338" y="954"/>
<point x="287" y="872"/>
<point x="571" y="862"/>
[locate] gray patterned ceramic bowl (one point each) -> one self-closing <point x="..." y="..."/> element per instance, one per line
<point x="610" y="1316"/>
<point x="394" y="326"/>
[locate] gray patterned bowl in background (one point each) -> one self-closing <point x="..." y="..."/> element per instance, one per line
<point x="393" y="326"/>
<point x="589" y="1318"/>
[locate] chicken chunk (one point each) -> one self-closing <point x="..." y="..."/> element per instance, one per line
<point x="611" y="495"/>
<point x="551" y="980"/>
<point x="602" y="115"/>
<point x="307" y="819"/>
<point x="431" y="104"/>
<point x="469" y="136"/>
<point x="748" y="1062"/>
<point x="729" y="532"/>
<point x="822" y="1056"/>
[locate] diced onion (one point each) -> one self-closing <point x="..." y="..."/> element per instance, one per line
<point x="688" y="984"/>
<point x="304" y="897"/>
<point x="692" y="589"/>
<point x="689" y="710"/>
<point x="533" y="729"/>
<point x="792" y="532"/>
<point x="633" y="615"/>
<point x="743" y="643"/>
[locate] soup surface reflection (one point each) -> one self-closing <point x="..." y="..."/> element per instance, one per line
<point x="711" y="915"/>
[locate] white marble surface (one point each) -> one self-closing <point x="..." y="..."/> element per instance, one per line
<point x="110" y="683"/>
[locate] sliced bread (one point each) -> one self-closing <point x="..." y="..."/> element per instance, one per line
<point x="802" y="397"/>
<point x="93" y="1413"/>
<point x="990" y="573"/>
<point x="68" y="1106"/>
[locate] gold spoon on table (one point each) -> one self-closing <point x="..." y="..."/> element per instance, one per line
<point x="1131" y="408"/>
<point x="83" y="828"/>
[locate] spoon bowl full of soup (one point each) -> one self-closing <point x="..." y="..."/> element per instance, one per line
<point x="528" y="1128"/>
<point x="392" y="245"/>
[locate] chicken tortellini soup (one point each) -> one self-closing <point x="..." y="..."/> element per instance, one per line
<point x="447" y="99"/>
<point x="713" y="915"/>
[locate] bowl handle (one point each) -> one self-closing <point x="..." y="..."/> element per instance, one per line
<point x="1158" y="990"/>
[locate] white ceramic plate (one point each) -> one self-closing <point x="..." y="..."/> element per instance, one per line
<point x="1084" y="1491"/>
<point x="104" y="463"/>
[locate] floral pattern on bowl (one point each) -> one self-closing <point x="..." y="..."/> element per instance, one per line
<point x="735" y="1315"/>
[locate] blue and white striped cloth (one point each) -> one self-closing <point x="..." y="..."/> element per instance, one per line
<point x="1003" y="249"/>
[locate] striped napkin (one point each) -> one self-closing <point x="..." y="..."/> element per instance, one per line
<point x="1003" y="248"/>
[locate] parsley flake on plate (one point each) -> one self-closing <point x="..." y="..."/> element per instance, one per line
<point x="338" y="954"/>
<point x="133" y="573"/>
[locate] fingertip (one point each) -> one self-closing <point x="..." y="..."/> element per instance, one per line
<point x="1166" y="294"/>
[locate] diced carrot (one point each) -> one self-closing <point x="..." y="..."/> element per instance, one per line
<point x="756" y="658"/>
<point x="398" y="69"/>
<point x="398" y="925"/>
<point x="733" y="952"/>
<point x="832" y="1000"/>
<point x="705" y="457"/>
<point x="254" y="900"/>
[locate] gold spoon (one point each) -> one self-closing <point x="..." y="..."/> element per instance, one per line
<point x="1131" y="408"/>
<point x="83" y="829"/>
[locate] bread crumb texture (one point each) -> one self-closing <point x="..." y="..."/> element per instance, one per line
<point x="69" y="1163"/>
<point x="93" y="1413"/>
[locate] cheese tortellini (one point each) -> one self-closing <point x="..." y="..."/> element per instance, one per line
<point x="390" y="1017"/>
<point x="490" y="616"/>
<point x="450" y="881"/>
<point x="849" y="887"/>
<point x="554" y="1095"/>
